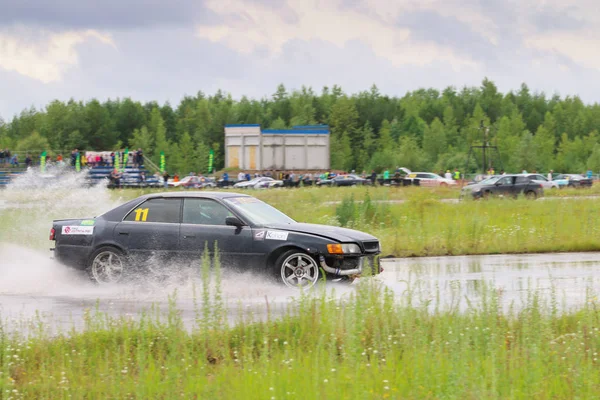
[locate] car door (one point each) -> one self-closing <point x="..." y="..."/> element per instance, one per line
<point x="203" y="223"/>
<point x="151" y="229"/>
<point x="504" y="186"/>
<point x="422" y="179"/>
<point x="522" y="184"/>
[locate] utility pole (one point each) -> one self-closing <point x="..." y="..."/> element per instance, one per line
<point x="484" y="149"/>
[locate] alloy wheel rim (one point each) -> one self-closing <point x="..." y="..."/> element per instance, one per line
<point x="299" y="271"/>
<point x="107" y="267"/>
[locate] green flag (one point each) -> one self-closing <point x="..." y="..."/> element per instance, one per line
<point x="125" y="159"/>
<point x="162" y="162"/>
<point x="43" y="162"/>
<point x="211" y="157"/>
<point x="117" y="165"/>
<point x="78" y="162"/>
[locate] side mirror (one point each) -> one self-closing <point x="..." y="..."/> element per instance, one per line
<point x="234" y="221"/>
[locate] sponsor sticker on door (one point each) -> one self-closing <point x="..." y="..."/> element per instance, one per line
<point x="274" y="235"/>
<point x="77" y="230"/>
<point x="260" y="235"/>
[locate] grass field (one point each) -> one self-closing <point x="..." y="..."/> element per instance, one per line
<point x="366" y="346"/>
<point x="423" y="224"/>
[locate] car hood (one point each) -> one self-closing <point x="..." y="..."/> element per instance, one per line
<point x="326" y="231"/>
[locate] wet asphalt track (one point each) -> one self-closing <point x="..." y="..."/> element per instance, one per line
<point x="33" y="287"/>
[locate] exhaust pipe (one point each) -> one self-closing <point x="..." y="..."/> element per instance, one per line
<point x="339" y="271"/>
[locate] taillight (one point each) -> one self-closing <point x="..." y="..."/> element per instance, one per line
<point x="52" y="233"/>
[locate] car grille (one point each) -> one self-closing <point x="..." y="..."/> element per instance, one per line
<point x="371" y="247"/>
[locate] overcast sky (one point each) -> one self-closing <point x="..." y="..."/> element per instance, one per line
<point x="163" y="49"/>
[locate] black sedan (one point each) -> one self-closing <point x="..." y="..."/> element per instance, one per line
<point x="344" y="180"/>
<point x="505" y="186"/>
<point x="158" y="228"/>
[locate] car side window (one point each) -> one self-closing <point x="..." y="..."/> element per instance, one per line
<point x="522" y="179"/>
<point x="164" y="210"/>
<point x="505" y="181"/>
<point x="204" y="212"/>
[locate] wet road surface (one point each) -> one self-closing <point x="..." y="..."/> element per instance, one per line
<point x="32" y="287"/>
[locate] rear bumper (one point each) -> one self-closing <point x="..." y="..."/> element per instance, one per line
<point x="72" y="256"/>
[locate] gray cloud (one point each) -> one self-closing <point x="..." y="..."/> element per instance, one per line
<point x="549" y="20"/>
<point x="103" y="14"/>
<point x="448" y="31"/>
<point x="159" y="57"/>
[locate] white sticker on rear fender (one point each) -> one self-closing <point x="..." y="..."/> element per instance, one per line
<point x="77" y="230"/>
<point x="273" y="235"/>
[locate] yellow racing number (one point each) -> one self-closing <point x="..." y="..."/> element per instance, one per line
<point x="141" y="214"/>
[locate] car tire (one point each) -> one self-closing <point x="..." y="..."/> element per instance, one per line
<point x="531" y="195"/>
<point x="297" y="269"/>
<point x="107" y="266"/>
<point x="443" y="184"/>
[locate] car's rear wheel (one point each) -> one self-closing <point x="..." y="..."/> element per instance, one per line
<point x="297" y="269"/>
<point x="107" y="266"/>
<point x="531" y="195"/>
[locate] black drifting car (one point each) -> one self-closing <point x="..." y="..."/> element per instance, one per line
<point x="505" y="186"/>
<point x="250" y="235"/>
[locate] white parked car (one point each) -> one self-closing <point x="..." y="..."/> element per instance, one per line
<point x="183" y="181"/>
<point x="430" y="179"/>
<point x="253" y="183"/>
<point x="541" y="179"/>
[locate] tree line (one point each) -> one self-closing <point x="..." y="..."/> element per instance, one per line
<point x="425" y="129"/>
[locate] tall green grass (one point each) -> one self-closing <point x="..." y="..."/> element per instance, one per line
<point x="367" y="345"/>
<point x="421" y="225"/>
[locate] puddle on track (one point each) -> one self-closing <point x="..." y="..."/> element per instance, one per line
<point x="31" y="285"/>
<point x="570" y="276"/>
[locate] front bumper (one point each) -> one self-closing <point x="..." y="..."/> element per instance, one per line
<point x="351" y="266"/>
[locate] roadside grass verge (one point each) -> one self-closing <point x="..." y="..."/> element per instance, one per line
<point x="369" y="345"/>
<point x="422" y="225"/>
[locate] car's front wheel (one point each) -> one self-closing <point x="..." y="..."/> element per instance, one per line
<point x="107" y="266"/>
<point x="297" y="269"/>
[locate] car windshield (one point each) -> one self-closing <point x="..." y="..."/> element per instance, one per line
<point x="258" y="212"/>
<point x="491" y="180"/>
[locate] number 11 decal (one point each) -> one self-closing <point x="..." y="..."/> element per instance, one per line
<point x="141" y="214"/>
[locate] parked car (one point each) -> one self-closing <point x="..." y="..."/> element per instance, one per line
<point x="504" y="186"/>
<point x="269" y="184"/>
<point x="185" y="181"/>
<point x="253" y="183"/>
<point x="572" y="180"/>
<point x="479" y="178"/>
<point x="344" y="180"/>
<point x="194" y="182"/>
<point x="430" y="179"/>
<point x="150" y="231"/>
<point x="538" y="178"/>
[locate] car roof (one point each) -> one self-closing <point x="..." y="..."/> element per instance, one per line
<point x="211" y="195"/>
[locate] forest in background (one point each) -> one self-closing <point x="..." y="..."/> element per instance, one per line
<point x="425" y="129"/>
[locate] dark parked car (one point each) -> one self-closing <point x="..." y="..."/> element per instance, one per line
<point x="504" y="185"/>
<point x="176" y="226"/>
<point x="344" y="180"/>
<point x="573" y="180"/>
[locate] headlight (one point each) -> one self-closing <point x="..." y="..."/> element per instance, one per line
<point x="345" y="248"/>
<point x="477" y="190"/>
